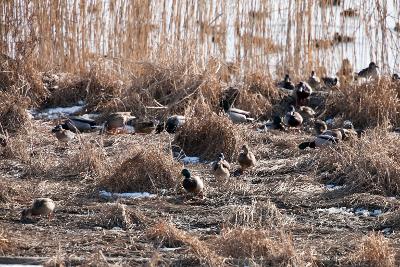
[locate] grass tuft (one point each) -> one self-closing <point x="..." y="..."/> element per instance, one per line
<point x="146" y="170"/>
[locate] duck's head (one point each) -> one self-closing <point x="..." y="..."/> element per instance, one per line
<point x="312" y="73"/>
<point x="291" y="108"/>
<point x="372" y="65"/>
<point x="245" y="148"/>
<point x="185" y="173"/>
<point x="287" y="78"/>
<point x="224" y="104"/>
<point x="58" y="128"/>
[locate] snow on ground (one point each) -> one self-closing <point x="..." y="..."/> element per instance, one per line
<point x="57" y="112"/>
<point x="351" y="211"/>
<point x="190" y="160"/>
<point x="107" y="195"/>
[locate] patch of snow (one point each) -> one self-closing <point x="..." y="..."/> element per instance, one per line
<point x="55" y="113"/>
<point x="332" y="187"/>
<point x="334" y="210"/>
<point x="169" y="249"/>
<point x="366" y="213"/>
<point x="133" y="195"/>
<point x="190" y="160"/>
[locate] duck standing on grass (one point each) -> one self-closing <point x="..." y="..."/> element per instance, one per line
<point x="40" y="206"/>
<point x="116" y="122"/>
<point x="320" y="141"/>
<point x="79" y="124"/>
<point x="192" y="184"/>
<point x="303" y="92"/>
<point x="330" y="82"/>
<point x="63" y="135"/>
<point x="293" y="118"/>
<point x="314" y="81"/>
<point x="221" y="168"/>
<point x="246" y="159"/>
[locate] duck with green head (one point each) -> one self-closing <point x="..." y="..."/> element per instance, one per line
<point x="192" y="184"/>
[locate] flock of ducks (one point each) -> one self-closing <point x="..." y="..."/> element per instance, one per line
<point x="221" y="169"/>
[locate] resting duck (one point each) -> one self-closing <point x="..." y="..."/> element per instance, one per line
<point x="320" y="126"/>
<point x="221" y="168"/>
<point x="330" y="82"/>
<point x="314" y="81"/>
<point x="246" y="158"/>
<point x="191" y="184"/>
<point x="293" y="118"/>
<point x="40" y="206"/>
<point x="144" y="127"/>
<point x="369" y="73"/>
<point x="320" y="141"/>
<point x="236" y="115"/>
<point x="286" y="83"/>
<point x="172" y="124"/>
<point x="79" y="124"/>
<point x="306" y="112"/>
<point x="118" y="120"/>
<point x="63" y="135"/>
<point x="303" y="91"/>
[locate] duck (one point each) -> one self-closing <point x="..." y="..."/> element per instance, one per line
<point x="307" y="112"/>
<point x="246" y="158"/>
<point x="371" y="72"/>
<point x="320" y="126"/>
<point x="319" y="141"/>
<point x="293" y="118"/>
<point x="286" y="83"/>
<point x="40" y="206"/>
<point x="118" y="120"/>
<point x="236" y="115"/>
<point x="192" y="184"/>
<point x="314" y="81"/>
<point x="330" y="82"/>
<point x="63" y="135"/>
<point x="221" y="168"/>
<point x="276" y="124"/>
<point x="79" y="124"/>
<point x="303" y="91"/>
<point x="144" y="127"/>
<point x="172" y="124"/>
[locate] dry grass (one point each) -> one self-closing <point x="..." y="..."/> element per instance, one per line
<point x="89" y="160"/>
<point x="7" y="192"/>
<point x="365" y="165"/>
<point x="148" y="169"/>
<point x="13" y="118"/>
<point x="366" y="105"/>
<point x="206" y="134"/>
<point x="5" y="243"/>
<point x="168" y="235"/>
<point x="261" y="246"/>
<point x="374" y="250"/>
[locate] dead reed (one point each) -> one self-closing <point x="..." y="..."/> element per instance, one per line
<point x="206" y="134"/>
<point x="375" y="250"/>
<point x="365" y="165"/>
<point x="366" y="105"/>
<point x="168" y="235"/>
<point x="117" y="215"/>
<point x="5" y="243"/>
<point x="13" y="118"/>
<point x="148" y="169"/>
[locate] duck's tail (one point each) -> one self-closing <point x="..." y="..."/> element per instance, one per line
<point x="304" y="145"/>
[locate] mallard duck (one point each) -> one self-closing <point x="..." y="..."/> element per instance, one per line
<point x="246" y="158"/>
<point x="40" y="206"/>
<point x="306" y="112"/>
<point x="172" y="124"/>
<point x="79" y="124"/>
<point x="144" y="127"/>
<point x="320" y="126"/>
<point x="118" y="120"/>
<point x="369" y="73"/>
<point x="319" y="141"/>
<point x="286" y="83"/>
<point x="221" y="168"/>
<point x="275" y="124"/>
<point x="330" y="82"/>
<point x="314" y="81"/>
<point x="303" y="91"/>
<point x="293" y="118"/>
<point x="192" y="184"/>
<point x="63" y="135"/>
<point x="236" y="115"/>
<point x="337" y="133"/>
